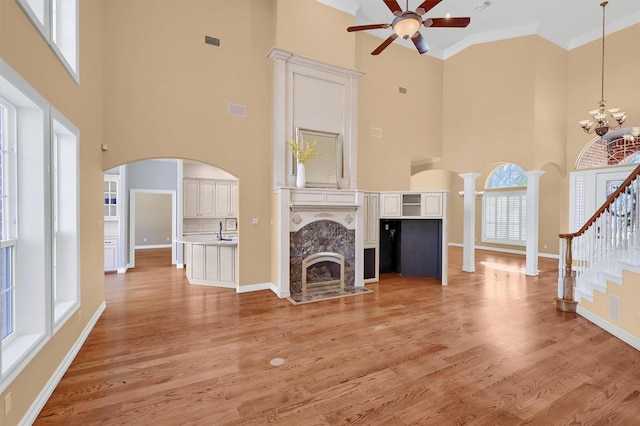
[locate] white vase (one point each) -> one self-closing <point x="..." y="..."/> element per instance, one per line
<point x="300" y="176"/>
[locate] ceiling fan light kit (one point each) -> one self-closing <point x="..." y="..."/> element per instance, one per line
<point x="599" y="124"/>
<point x="407" y="23"/>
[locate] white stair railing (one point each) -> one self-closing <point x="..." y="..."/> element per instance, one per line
<point x="602" y="240"/>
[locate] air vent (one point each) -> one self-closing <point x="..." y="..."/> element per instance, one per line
<point x="376" y="132"/>
<point x="237" y="110"/>
<point x="212" y="41"/>
<point x="614" y="307"/>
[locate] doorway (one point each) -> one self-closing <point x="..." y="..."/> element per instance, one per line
<point x="152" y="221"/>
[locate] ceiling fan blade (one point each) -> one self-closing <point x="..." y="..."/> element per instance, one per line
<point x="384" y="44"/>
<point x="420" y="43"/>
<point x="426" y="6"/>
<point x="447" y="22"/>
<point x="394" y="7"/>
<point x="367" y="27"/>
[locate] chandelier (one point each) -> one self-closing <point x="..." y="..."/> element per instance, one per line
<point x="600" y="123"/>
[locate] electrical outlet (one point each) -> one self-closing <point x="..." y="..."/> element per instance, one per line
<point x="144" y="240"/>
<point x="255" y="221"/>
<point x="545" y="246"/>
<point x="7" y="404"/>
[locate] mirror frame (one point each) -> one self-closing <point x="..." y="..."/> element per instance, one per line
<point x="303" y="135"/>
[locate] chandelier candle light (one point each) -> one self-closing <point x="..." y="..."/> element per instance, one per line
<point x="600" y="123"/>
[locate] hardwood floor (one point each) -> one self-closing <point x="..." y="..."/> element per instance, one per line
<point x="488" y="349"/>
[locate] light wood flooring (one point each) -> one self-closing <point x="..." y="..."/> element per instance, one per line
<point x="488" y="349"/>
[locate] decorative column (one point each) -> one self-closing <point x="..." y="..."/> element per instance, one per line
<point x="533" y="199"/>
<point x="469" y="233"/>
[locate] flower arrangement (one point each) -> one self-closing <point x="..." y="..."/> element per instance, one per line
<point x="303" y="152"/>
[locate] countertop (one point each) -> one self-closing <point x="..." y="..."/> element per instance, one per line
<point x="206" y="239"/>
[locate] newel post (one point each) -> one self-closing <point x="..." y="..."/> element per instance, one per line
<point x="565" y="302"/>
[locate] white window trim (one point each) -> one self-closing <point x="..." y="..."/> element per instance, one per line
<point x="521" y="223"/>
<point x="37" y="316"/>
<point x="67" y="23"/>
<point x="63" y="130"/>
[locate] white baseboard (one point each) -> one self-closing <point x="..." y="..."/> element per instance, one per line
<point x="626" y="337"/>
<point x="253" y="287"/>
<point x="153" y="246"/>
<point x="504" y="250"/>
<point x="179" y="265"/>
<point x="48" y="389"/>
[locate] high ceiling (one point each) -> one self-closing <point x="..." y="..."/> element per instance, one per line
<point x="567" y="23"/>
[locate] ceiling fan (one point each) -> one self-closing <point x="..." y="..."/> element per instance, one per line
<point x="407" y="23"/>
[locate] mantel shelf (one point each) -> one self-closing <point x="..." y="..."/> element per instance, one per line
<point x="322" y="207"/>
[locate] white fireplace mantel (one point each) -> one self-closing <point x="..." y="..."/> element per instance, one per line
<point x="310" y="94"/>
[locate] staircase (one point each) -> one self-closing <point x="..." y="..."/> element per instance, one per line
<point x="605" y="245"/>
<point x="594" y="259"/>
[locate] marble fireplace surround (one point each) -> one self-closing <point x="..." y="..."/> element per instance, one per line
<point x="318" y="221"/>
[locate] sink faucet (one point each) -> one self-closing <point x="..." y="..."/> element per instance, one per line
<point x="220" y="233"/>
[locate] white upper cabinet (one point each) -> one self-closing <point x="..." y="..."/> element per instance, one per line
<point x="199" y="198"/>
<point x="111" y="195"/>
<point x="390" y="204"/>
<point x="412" y="205"/>
<point x="207" y="198"/>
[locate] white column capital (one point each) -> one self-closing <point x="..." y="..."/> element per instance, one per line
<point x="466" y="176"/>
<point x="534" y="173"/>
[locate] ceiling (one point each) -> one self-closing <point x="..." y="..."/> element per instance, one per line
<point x="567" y="23"/>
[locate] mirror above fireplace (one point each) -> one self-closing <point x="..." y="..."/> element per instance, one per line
<point x="327" y="169"/>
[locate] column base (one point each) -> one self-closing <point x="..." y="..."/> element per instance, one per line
<point x="564" y="305"/>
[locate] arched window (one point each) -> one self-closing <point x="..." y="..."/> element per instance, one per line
<point x="615" y="148"/>
<point x="506" y="176"/>
<point x="504" y="206"/>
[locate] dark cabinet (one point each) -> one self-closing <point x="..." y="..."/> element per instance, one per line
<point x="411" y="247"/>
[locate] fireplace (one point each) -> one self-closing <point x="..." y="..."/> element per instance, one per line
<point x="323" y="271"/>
<point x="322" y="257"/>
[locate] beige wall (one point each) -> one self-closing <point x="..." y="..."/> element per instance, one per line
<point x="166" y="95"/>
<point x="411" y="123"/>
<point x="25" y="50"/>
<point x="312" y="29"/>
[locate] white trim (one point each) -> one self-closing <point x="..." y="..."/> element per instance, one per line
<point x="48" y="389"/>
<point x="255" y="287"/>
<point x="503" y="250"/>
<point x="122" y="270"/>
<point x="153" y="246"/>
<point x="608" y="327"/>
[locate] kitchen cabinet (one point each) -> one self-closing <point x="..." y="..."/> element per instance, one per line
<point x="207" y="198"/>
<point x="111" y="196"/>
<point x="199" y="198"/>
<point x="110" y="254"/>
<point x="210" y="261"/>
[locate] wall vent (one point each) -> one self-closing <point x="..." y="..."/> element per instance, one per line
<point x="614" y="307"/>
<point x="376" y="132"/>
<point x="212" y="40"/>
<point x="237" y="110"/>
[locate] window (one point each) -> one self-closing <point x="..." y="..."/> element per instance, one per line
<point x="39" y="212"/>
<point x="57" y="21"/>
<point x="504" y="212"/>
<point x="7" y="166"/>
